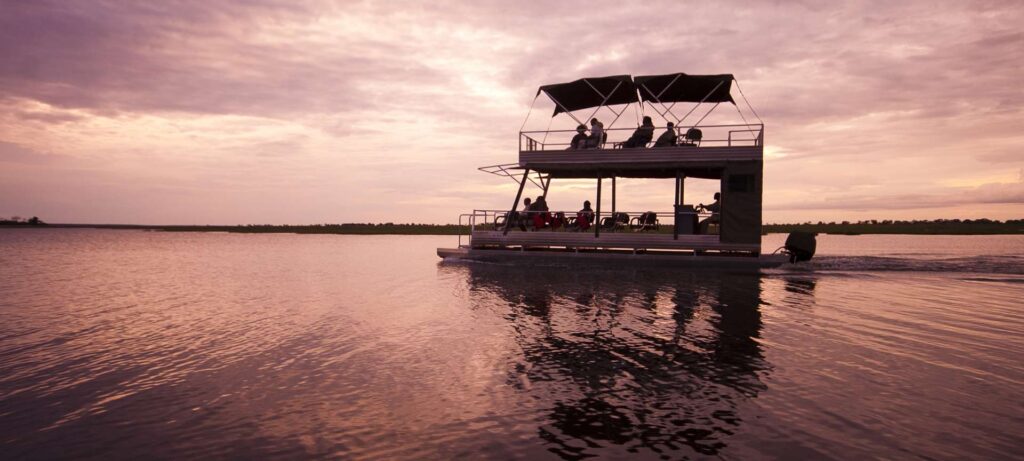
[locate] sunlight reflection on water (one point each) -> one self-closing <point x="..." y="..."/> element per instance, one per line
<point x="122" y="343"/>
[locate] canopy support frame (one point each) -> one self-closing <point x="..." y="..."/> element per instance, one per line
<point x="508" y="217"/>
<point x="599" y="93"/>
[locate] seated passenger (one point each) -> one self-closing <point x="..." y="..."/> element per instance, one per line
<point x="520" y="218"/>
<point x="558" y="220"/>
<point x="539" y="213"/>
<point x="580" y="140"/>
<point x="668" y="138"/>
<point x="716" y="216"/>
<point x="585" y="217"/>
<point x="596" y="138"/>
<point x="642" y="135"/>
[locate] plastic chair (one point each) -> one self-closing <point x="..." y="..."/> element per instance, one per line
<point x="692" y="138"/>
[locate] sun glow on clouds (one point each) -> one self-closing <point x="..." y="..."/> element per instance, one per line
<point x="295" y="112"/>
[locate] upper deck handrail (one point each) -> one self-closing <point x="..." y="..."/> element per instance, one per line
<point x="713" y="135"/>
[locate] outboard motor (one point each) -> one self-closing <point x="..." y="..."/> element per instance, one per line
<point x="801" y="246"/>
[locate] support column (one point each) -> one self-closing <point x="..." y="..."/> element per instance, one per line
<point x="613" y="196"/>
<point x="597" y="212"/>
<point x="677" y="205"/>
<point x="515" y="204"/>
<point x="682" y="188"/>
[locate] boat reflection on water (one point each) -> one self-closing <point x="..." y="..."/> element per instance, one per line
<point x="637" y="362"/>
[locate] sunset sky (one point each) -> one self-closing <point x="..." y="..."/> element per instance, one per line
<point x="207" y="112"/>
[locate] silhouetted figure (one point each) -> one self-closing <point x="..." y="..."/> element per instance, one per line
<point x="643" y="135"/>
<point x="668" y="138"/>
<point x="585" y="217"/>
<point x="539" y="213"/>
<point x="580" y="140"/>
<point x="597" y="135"/>
<point x="520" y="218"/>
<point x="715" y="209"/>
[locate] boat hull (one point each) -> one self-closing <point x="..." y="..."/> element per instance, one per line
<point x="613" y="258"/>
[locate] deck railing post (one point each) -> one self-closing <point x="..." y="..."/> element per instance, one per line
<point x="508" y="217"/>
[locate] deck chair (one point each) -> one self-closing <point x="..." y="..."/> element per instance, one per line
<point x="644" y="222"/>
<point x="617" y="221"/>
<point x="692" y="138"/>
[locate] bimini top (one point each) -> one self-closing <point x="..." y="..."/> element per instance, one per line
<point x="592" y="92"/>
<point x="685" y="88"/>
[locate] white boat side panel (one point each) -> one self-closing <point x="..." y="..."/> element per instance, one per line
<point x="640" y="260"/>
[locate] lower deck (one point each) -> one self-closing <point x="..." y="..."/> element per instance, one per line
<point x="619" y="240"/>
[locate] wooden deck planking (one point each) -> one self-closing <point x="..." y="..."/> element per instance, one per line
<point x="628" y="240"/>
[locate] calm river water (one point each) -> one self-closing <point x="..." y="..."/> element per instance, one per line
<point x="129" y="344"/>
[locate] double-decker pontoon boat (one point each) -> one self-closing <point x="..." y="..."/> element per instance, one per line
<point x="730" y="154"/>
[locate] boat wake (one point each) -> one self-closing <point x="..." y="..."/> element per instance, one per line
<point x="986" y="264"/>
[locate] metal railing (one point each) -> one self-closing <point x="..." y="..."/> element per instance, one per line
<point x="712" y="136"/>
<point x="495" y="220"/>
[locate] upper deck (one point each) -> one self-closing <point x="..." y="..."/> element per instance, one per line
<point x="549" y="152"/>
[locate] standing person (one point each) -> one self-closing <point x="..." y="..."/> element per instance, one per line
<point x="642" y="135"/>
<point x="585" y="216"/>
<point x="596" y="138"/>
<point x="580" y="140"/>
<point x="715" y="209"/>
<point x="668" y="138"/>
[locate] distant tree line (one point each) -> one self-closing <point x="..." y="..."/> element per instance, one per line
<point x="871" y="226"/>
<point x="18" y="221"/>
<point x="345" y="228"/>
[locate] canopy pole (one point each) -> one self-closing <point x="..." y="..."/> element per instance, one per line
<point x="746" y="101"/>
<point x="563" y="110"/>
<point x="708" y="113"/>
<point x="613" y="197"/>
<point x="701" y="102"/>
<point x="547" y="184"/>
<point x="663" y="90"/>
<point x="597" y="213"/>
<point x="548" y="130"/>
<point x="529" y="112"/>
<point x="599" y="93"/>
<point x="657" y="98"/>
<point x="508" y="217"/>
<point x="617" y="115"/>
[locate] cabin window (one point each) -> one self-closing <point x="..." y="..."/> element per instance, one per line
<point x="741" y="183"/>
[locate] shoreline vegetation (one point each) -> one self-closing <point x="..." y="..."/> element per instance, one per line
<point x="919" y="227"/>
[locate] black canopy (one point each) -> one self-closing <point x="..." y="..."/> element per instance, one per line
<point x="580" y="94"/>
<point x="685" y="88"/>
